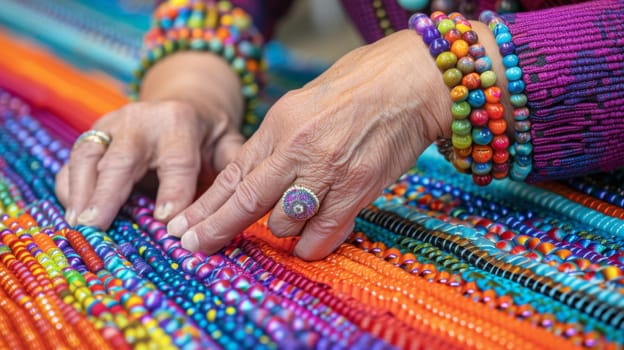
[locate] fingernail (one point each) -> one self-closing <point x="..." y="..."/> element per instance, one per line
<point x="87" y="216"/>
<point x="163" y="211"/>
<point x="70" y="217"/>
<point x="177" y="226"/>
<point x="190" y="241"/>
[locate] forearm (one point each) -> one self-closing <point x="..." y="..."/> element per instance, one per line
<point x="190" y="76"/>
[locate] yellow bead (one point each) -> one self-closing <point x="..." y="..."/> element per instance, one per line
<point x="211" y="315"/>
<point x="462" y="27"/>
<point x="199" y="297"/>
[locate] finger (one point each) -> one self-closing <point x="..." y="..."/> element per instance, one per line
<point x="227" y="149"/>
<point x="254" y="196"/>
<point x="178" y="166"/>
<point x="282" y="225"/>
<point x="257" y="149"/>
<point x="329" y="228"/>
<point x="118" y="170"/>
<point x="82" y="170"/>
<point x="61" y="188"/>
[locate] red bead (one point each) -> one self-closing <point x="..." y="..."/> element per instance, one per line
<point x="471" y="37"/>
<point x="479" y="117"/>
<point x="482" y="180"/>
<point x="500" y="157"/>
<point x="453" y="35"/>
<point x="500" y="143"/>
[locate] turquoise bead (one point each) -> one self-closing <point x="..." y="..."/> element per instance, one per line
<point x="503" y="38"/>
<point x="523" y="149"/>
<point x="510" y="61"/>
<point x="413" y="5"/>
<point x="500" y="28"/>
<point x="483" y="64"/>
<point x="513" y="73"/>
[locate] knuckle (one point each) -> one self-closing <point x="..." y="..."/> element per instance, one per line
<point x="326" y="225"/>
<point x="246" y="199"/>
<point x="230" y="176"/>
<point x="118" y="160"/>
<point x="183" y="162"/>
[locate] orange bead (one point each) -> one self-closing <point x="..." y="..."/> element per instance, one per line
<point x="492" y="94"/>
<point x="460" y="48"/>
<point x="481" y="153"/>
<point x="459" y="93"/>
<point x="497" y="126"/>
<point x="472" y="81"/>
<point x="495" y="110"/>
<point x="463" y="152"/>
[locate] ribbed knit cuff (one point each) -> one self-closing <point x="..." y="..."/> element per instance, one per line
<point x="572" y="59"/>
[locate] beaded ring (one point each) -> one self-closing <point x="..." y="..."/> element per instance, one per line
<point x="479" y="143"/>
<point x="522" y="147"/>
<point x="211" y="26"/>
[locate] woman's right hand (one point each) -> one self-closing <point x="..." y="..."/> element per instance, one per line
<point x="178" y="134"/>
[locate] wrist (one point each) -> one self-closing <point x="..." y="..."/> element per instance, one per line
<point x="200" y="79"/>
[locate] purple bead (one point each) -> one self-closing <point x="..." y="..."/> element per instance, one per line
<point x="507" y="48"/>
<point x="422" y="24"/>
<point x="430" y="34"/>
<point x="413" y="20"/>
<point x="438" y="46"/>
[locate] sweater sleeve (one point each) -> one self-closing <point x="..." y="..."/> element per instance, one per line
<point x="572" y="58"/>
<point x="265" y="13"/>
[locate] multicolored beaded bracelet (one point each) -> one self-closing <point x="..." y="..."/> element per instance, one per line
<point x="213" y="26"/>
<point x="522" y="147"/>
<point x="479" y="142"/>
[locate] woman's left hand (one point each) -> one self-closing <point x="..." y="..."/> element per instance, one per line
<point x="345" y="136"/>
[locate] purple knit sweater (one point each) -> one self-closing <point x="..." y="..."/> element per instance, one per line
<point x="572" y="59"/>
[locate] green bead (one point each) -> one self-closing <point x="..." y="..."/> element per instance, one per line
<point x="445" y="25"/>
<point x="518" y="100"/>
<point x="446" y="60"/>
<point x="452" y="77"/>
<point x="461" y="141"/>
<point x="488" y="78"/>
<point x="460" y="110"/>
<point x="461" y="127"/>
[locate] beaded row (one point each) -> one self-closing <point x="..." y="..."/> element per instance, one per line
<point x="479" y="141"/>
<point x="213" y="26"/>
<point x="522" y="148"/>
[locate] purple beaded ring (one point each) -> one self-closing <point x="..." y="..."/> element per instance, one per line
<point x="299" y="202"/>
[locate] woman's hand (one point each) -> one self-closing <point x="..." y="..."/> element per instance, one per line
<point x="187" y="124"/>
<point x="345" y="136"/>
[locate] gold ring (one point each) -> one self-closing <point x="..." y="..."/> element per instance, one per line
<point x="96" y="136"/>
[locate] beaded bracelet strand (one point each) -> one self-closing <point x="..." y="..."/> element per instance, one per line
<point x="212" y="26"/>
<point x="522" y="148"/>
<point x="478" y="140"/>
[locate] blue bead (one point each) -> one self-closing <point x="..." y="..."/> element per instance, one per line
<point x="481" y="168"/>
<point x="481" y="136"/>
<point x="513" y="73"/>
<point x="476" y="98"/>
<point x="483" y="64"/>
<point x="430" y="34"/>
<point x="438" y="46"/>
<point x="510" y="61"/>
<point x="516" y="87"/>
